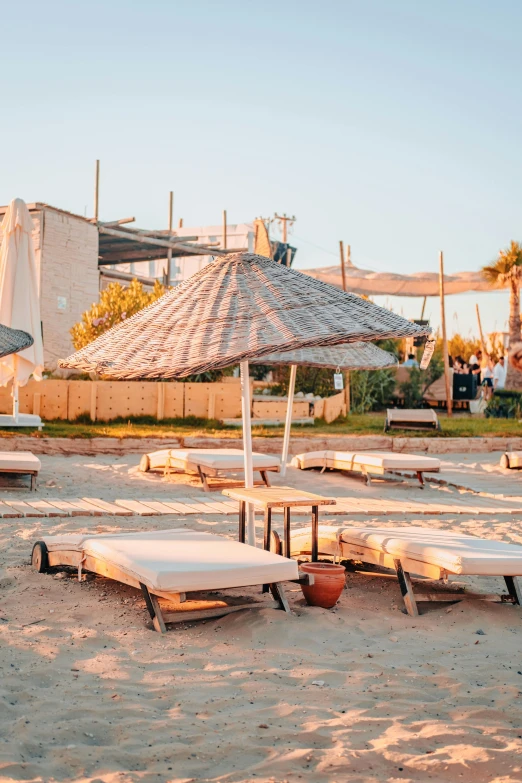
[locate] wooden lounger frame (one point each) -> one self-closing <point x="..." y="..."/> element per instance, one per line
<point x="368" y="470"/>
<point x="23" y="472"/>
<point x="43" y="559"/>
<point x="405" y="566"/>
<point x="205" y="473"/>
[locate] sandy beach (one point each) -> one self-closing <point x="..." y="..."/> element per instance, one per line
<point x="361" y="693"/>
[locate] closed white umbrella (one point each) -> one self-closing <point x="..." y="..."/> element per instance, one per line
<point x="20" y="306"/>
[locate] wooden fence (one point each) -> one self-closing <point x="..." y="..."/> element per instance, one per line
<point x="106" y="400"/>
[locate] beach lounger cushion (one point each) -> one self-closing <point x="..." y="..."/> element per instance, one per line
<point x="453" y="552"/>
<point x="216" y="459"/>
<point x="371" y="460"/>
<point x="19" y="462"/>
<point x="181" y="560"/>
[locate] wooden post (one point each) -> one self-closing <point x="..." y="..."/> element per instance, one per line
<point x="169" y="251"/>
<point x="96" y="190"/>
<point x="180" y="223"/>
<point x="94" y="390"/>
<point x="224" y="228"/>
<point x="423" y="308"/>
<point x="343" y="271"/>
<point x="160" y="410"/>
<point x="349" y="255"/>
<point x="482" y="341"/>
<point x="447" y="379"/>
<point x="347" y="396"/>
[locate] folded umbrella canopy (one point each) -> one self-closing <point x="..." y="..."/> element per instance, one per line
<point x="239" y="307"/>
<point x="354" y="356"/>
<point x="20" y="305"/>
<point x="13" y="341"/>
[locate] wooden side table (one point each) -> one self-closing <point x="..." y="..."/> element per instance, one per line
<point x="268" y="498"/>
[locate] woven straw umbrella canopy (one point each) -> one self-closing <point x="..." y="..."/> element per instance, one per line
<point x="239" y="307"/>
<point x="354" y="356"/>
<point x="13" y="340"/>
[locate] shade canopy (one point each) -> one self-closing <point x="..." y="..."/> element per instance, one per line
<point x="365" y="281"/>
<point x="354" y="356"/>
<point x="13" y="341"/>
<point x="19" y="298"/>
<point x="238" y="307"/>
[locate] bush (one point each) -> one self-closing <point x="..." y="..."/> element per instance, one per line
<point x="370" y="389"/>
<point x="505" y="404"/>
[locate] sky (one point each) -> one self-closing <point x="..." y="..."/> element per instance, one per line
<point x="394" y="126"/>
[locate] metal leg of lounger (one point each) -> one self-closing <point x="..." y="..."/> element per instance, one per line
<point x="420" y="477"/>
<point x="33" y="482"/>
<point x="315" y="533"/>
<point x="242" y="521"/>
<point x="277" y="590"/>
<point x="406" y="589"/>
<point x="266" y="537"/>
<point x="513" y="588"/>
<point x="203" y="479"/>
<point x="154" y="609"/>
<point x="366" y="476"/>
<point x="286" y="526"/>
<point x="264" y="476"/>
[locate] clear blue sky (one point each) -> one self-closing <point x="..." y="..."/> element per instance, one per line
<point x="395" y="126"/>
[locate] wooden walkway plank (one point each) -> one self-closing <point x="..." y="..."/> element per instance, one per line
<point x="78" y="507"/>
<point x="24" y="508"/>
<point x="136" y="507"/>
<point x="7" y="512"/>
<point x="47" y="508"/>
<point x="109" y="508"/>
<point x="177" y="508"/>
<point x="157" y="507"/>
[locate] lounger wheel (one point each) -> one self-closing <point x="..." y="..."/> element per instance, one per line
<point x="275" y="543"/>
<point x="504" y="461"/>
<point x="145" y="463"/>
<point x="40" y="557"/>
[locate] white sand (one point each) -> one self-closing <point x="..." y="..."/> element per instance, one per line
<point x="89" y="692"/>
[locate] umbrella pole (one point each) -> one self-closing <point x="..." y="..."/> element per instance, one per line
<point x="16" y="403"/>
<point x="288" y="422"/>
<point x="247" y="448"/>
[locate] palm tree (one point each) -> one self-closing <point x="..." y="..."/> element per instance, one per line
<point x="506" y="272"/>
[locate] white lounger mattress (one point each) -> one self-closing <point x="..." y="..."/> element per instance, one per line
<point x="382" y="460"/>
<point x="18" y="461"/>
<point x="181" y="560"/>
<point x="453" y="552"/>
<point x="217" y="459"/>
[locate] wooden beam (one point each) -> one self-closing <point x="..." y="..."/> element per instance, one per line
<point x="343" y="271"/>
<point x="224" y="228"/>
<point x="96" y="189"/>
<point x="119" y="222"/>
<point x="152" y="240"/>
<point x="444" y="337"/>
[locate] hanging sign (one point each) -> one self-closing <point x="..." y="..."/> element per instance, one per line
<point x="338" y="381"/>
<point x="429" y="349"/>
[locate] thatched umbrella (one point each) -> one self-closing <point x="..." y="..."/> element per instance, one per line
<point x="239" y="307"/>
<point x="13" y="341"/>
<point x="354" y="356"/>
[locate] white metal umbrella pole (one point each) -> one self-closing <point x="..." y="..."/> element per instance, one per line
<point x="247" y="449"/>
<point x="288" y="422"/>
<point x="16" y="404"/>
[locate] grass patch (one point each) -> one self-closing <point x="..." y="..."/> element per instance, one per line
<point x="460" y="426"/>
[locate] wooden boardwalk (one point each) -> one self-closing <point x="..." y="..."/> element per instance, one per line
<point x="185" y="506"/>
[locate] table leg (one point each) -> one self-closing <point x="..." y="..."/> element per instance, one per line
<point x="315" y="533"/>
<point x="242" y="521"/>
<point x="268" y="528"/>
<point x="286" y="515"/>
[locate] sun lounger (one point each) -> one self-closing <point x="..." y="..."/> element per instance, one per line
<point x="368" y="462"/>
<point x="435" y="554"/>
<point x="22" y="463"/>
<point x="169" y="564"/>
<point x="411" y="419"/>
<point x="208" y="463"/>
<point x="511" y="459"/>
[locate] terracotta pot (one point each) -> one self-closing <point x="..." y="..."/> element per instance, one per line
<point x="329" y="580"/>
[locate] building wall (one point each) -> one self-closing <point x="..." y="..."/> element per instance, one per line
<point x="67" y="254"/>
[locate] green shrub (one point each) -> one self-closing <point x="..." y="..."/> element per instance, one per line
<point x="370" y="389"/>
<point x="505" y="404"/>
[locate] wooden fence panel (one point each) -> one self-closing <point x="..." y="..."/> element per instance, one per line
<point x="53" y="398"/>
<point x="334" y="407"/>
<point x="276" y="409"/>
<point x="213" y="400"/>
<point x="79" y="398"/>
<point x="174" y="394"/>
<point x="125" y="398"/>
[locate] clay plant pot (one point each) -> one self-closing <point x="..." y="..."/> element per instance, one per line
<point x="329" y="580"/>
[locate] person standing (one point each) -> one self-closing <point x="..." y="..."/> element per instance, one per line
<point x="499" y="374"/>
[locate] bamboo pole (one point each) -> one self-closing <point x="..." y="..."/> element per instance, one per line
<point x="96" y="189"/>
<point x="423" y="308"/>
<point x="169" y="251"/>
<point x="247" y="448"/>
<point x="288" y="420"/>
<point x="449" y="402"/>
<point x="482" y="341"/>
<point x="224" y="228"/>
<point x="343" y="271"/>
